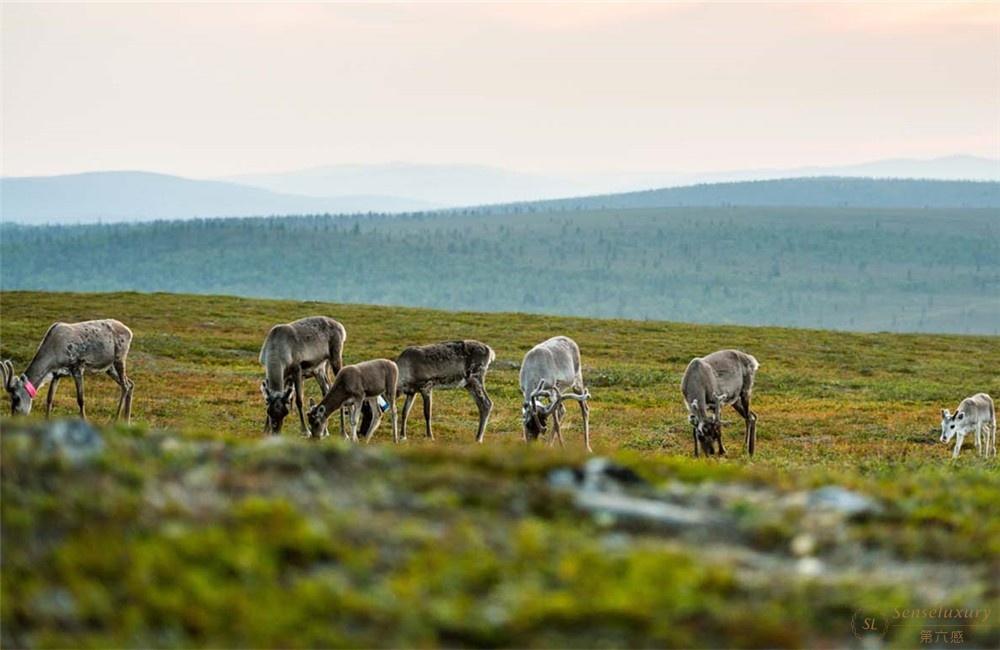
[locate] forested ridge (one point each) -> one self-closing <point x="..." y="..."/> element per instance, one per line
<point x="841" y="268"/>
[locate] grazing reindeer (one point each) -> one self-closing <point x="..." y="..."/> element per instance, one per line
<point x="293" y="352"/>
<point x="547" y="369"/>
<point x="69" y="350"/>
<point x="976" y="412"/>
<point x="709" y="383"/>
<point x="354" y="386"/>
<point x="452" y="364"/>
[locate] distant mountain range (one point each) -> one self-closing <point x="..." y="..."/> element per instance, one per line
<point x="462" y="185"/>
<point x="398" y="187"/>
<point x="832" y="191"/>
<point x="144" y="196"/>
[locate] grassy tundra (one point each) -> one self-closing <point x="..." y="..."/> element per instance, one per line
<point x="189" y="530"/>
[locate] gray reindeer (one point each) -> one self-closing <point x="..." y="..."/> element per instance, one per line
<point x="293" y="352"/>
<point x="70" y="350"/>
<point x="549" y="368"/>
<point x="709" y="383"/>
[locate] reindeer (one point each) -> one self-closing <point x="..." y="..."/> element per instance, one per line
<point x="451" y="364"/>
<point x="709" y="383"/>
<point x="354" y="386"/>
<point x="292" y="352"/>
<point x="547" y="369"/>
<point x="976" y="412"/>
<point x="69" y="350"/>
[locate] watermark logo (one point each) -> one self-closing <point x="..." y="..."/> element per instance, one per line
<point x="938" y="625"/>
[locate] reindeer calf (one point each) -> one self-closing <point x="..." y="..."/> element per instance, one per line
<point x="352" y="387"/>
<point x="977" y="412"/>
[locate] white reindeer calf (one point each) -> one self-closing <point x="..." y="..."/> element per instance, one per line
<point x="978" y="413"/>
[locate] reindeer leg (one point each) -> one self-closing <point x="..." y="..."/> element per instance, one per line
<point x="392" y="409"/>
<point x="425" y="397"/>
<point x="483" y="403"/>
<point x="297" y="383"/>
<point x="959" y="439"/>
<point x="407" y="405"/>
<point x="374" y="421"/>
<point x="113" y="373"/>
<point x="51" y="396"/>
<point x="694" y="434"/>
<point x="742" y="407"/>
<point x="557" y="429"/>
<point x="585" y="410"/>
<point x="78" y="380"/>
<point x="129" y="387"/>
<point x="354" y="420"/>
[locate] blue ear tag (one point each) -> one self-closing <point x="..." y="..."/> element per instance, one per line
<point x="382" y="404"/>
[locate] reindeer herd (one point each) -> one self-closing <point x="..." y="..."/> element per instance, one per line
<point x="550" y="374"/>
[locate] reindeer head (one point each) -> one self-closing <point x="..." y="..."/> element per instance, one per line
<point x="17" y="388"/>
<point x="535" y="414"/>
<point x="535" y="420"/>
<point x="316" y="417"/>
<point x="708" y="427"/>
<point x="279" y="404"/>
<point x="953" y="424"/>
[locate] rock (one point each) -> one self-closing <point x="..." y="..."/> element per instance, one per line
<point x="55" y="604"/>
<point x="597" y="474"/>
<point x="601" y="486"/>
<point x="803" y="545"/>
<point x="848" y="503"/>
<point x="74" y="440"/>
<point x="602" y="474"/>
<point x="809" y="566"/>
<point x="609" y="509"/>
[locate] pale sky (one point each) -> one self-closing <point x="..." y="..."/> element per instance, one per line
<point x="208" y="90"/>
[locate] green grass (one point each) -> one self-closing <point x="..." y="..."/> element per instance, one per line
<point x="205" y="536"/>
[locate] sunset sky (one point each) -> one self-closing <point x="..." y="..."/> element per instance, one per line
<point x="211" y="90"/>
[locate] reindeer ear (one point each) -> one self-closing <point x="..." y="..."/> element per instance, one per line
<point x="694" y="405"/>
<point x="945" y="414"/>
<point x="263" y="388"/>
<point x="287" y="394"/>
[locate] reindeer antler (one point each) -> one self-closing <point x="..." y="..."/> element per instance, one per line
<point x="7" y="366"/>
<point x="560" y="398"/>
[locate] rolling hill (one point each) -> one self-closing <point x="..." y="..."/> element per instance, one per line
<point x="143" y="196"/>
<point x="838" y="268"/>
<point x="464" y="185"/>
<point x="812" y="192"/>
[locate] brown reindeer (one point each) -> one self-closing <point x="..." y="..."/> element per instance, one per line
<point x="354" y="386"/>
<point x="451" y="364"/>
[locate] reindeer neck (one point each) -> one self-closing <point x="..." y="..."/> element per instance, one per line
<point x="335" y="398"/>
<point x="39" y="370"/>
<point x="275" y="376"/>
